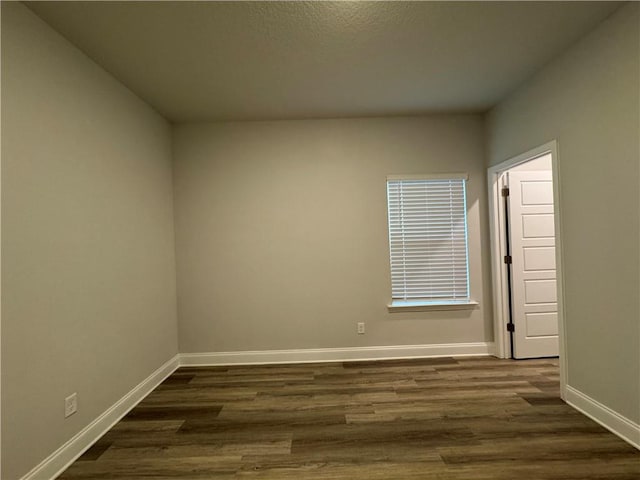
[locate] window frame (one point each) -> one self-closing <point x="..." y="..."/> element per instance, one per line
<point x="425" y="304"/>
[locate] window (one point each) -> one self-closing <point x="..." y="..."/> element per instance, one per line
<point x="428" y="240"/>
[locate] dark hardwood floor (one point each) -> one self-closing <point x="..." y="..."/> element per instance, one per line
<point x="444" y="418"/>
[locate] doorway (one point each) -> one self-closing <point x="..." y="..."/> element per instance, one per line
<point x="527" y="257"/>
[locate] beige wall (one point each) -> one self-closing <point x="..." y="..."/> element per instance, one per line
<point x="588" y="99"/>
<point x="281" y="231"/>
<point x="88" y="274"/>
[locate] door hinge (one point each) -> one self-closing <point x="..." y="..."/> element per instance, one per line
<point x="505" y="191"/>
<point x="508" y="260"/>
<point x="511" y="327"/>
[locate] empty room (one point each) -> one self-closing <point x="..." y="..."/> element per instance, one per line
<point x="320" y="240"/>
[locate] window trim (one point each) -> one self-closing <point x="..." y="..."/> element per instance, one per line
<point x="401" y="305"/>
<point x="404" y="306"/>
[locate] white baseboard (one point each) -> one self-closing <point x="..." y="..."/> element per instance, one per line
<point x="336" y="354"/>
<point x="58" y="461"/>
<point x="609" y="419"/>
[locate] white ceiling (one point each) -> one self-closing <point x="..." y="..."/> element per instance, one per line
<point x="197" y="61"/>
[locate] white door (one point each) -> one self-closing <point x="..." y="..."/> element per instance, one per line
<point x="533" y="270"/>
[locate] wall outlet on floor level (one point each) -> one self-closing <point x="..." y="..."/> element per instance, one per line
<point x="70" y="405"/>
<point x="360" y="328"/>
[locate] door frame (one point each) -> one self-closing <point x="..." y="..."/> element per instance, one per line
<point x="498" y="251"/>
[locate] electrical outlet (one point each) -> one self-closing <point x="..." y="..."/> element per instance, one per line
<point x="70" y="405"/>
<point x="360" y="328"/>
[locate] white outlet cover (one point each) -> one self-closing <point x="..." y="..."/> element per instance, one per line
<point x="70" y="405"/>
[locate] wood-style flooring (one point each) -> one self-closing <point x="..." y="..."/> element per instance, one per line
<point x="443" y="419"/>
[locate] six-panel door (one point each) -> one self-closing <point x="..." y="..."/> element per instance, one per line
<point x="534" y="293"/>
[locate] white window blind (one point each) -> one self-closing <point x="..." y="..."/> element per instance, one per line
<point x="428" y="240"/>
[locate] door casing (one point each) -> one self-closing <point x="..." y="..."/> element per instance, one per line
<point x="498" y="250"/>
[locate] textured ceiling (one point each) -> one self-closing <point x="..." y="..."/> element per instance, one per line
<point x="197" y="61"/>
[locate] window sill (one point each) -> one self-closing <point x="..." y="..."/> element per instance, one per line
<point x="426" y="307"/>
